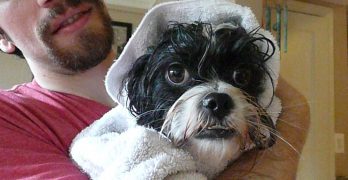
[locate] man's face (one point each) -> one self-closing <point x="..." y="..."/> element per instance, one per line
<point x="69" y="35"/>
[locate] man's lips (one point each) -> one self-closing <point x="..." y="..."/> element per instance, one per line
<point x="69" y="18"/>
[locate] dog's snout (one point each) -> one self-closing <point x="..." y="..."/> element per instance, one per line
<point x="219" y="104"/>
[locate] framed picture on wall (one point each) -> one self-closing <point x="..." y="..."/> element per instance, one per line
<point x="122" y="33"/>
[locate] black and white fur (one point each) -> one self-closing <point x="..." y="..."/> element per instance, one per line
<point x="200" y="86"/>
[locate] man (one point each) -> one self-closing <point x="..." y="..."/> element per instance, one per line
<point x="67" y="44"/>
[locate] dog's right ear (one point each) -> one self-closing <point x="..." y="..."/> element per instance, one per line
<point x="136" y="85"/>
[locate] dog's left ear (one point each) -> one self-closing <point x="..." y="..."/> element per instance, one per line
<point x="136" y="86"/>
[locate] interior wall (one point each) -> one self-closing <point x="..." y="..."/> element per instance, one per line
<point x="340" y="70"/>
<point x="13" y="70"/>
<point x="126" y="14"/>
<point x="341" y="85"/>
<point x="255" y="6"/>
<point x="340" y="10"/>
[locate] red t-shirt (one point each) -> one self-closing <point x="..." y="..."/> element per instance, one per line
<point x="36" y="129"/>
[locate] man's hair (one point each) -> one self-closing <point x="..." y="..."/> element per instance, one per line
<point x="17" y="52"/>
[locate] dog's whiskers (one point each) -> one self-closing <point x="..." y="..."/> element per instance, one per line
<point x="289" y="144"/>
<point x="185" y="132"/>
<point x="151" y="111"/>
<point x="152" y="122"/>
<point x="290" y="124"/>
<point x="171" y="115"/>
<point x="275" y="133"/>
<point x="242" y="139"/>
<point x="277" y="157"/>
<point x="299" y="105"/>
<point x="161" y="98"/>
<point x="200" y="81"/>
<point x="251" y="100"/>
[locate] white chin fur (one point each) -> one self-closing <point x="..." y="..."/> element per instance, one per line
<point x="212" y="156"/>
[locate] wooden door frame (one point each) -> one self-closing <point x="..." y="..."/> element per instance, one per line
<point x="340" y="56"/>
<point x="340" y="75"/>
<point x="326" y="14"/>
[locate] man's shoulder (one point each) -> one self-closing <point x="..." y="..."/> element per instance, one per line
<point x="19" y="93"/>
<point x="31" y="101"/>
<point x="8" y="94"/>
<point x="52" y="116"/>
<point x="34" y="94"/>
<point x="17" y="100"/>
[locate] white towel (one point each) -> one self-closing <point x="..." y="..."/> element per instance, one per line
<point x="114" y="147"/>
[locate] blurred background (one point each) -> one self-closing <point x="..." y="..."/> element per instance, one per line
<point x="313" y="39"/>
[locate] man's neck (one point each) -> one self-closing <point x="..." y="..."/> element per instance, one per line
<point x="89" y="84"/>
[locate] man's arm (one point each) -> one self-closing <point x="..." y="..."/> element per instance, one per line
<point x="280" y="161"/>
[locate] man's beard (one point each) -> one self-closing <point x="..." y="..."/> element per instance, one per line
<point x="92" y="46"/>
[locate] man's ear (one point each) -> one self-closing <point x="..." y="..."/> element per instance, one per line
<point x="6" y="46"/>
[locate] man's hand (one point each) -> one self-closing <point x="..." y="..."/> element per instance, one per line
<point x="281" y="160"/>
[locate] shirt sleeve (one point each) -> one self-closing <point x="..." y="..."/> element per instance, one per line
<point x="26" y="156"/>
<point x="36" y="129"/>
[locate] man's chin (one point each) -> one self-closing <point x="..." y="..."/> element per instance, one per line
<point x="80" y="50"/>
<point x="79" y="57"/>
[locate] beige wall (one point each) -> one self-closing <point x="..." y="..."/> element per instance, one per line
<point x="341" y="85"/>
<point x="126" y="14"/>
<point x="340" y="71"/>
<point x="13" y="71"/>
<point x="255" y="5"/>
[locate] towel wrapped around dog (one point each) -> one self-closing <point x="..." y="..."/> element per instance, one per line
<point x="114" y="147"/>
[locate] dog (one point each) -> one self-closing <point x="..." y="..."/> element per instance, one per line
<point x="200" y="86"/>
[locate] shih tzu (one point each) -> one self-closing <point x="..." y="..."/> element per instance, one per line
<point x="201" y="86"/>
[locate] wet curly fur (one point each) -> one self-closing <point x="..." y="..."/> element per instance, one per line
<point x="199" y="54"/>
<point x="206" y="56"/>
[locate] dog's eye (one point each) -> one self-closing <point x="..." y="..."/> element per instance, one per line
<point x="177" y="74"/>
<point x="242" y="77"/>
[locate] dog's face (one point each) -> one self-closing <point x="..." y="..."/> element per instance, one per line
<point x="202" y="85"/>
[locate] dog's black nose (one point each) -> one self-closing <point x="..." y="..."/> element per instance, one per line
<point x="219" y="104"/>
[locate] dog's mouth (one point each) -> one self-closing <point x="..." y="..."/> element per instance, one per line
<point x="215" y="132"/>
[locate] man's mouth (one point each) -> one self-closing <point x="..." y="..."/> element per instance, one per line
<point x="215" y="132"/>
<point x="71" y="21"/>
